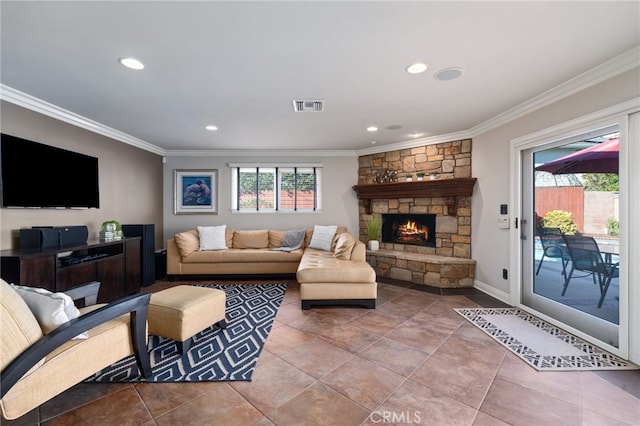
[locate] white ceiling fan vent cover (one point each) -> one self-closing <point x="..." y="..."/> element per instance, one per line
<point x="308" y="106"/>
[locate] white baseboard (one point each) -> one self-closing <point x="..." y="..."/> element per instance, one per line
<point x="493" y="292"/>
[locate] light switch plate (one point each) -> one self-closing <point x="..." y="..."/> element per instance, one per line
<point x="503" y="222"/>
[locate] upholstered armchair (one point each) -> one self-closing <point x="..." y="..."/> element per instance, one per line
<point x="35" y="367"/>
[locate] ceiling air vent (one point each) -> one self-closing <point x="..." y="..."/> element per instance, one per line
<point x="308" y="106"/>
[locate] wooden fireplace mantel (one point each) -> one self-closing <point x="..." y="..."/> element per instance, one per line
<point x="447" y="188"/>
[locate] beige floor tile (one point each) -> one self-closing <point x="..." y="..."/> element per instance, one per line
<point x="285" y="338"/>
<point x="352" y="338"/>
<point x="401" y="309"/>
<point x="376" y="321"/>
<point x="319" y="405"/>
<point x="273" y="385"/>
<point x="123" y="407"/>
<point x="414" y="403"/>
<point x="316" y="322"/>
<point x="395" y="356"/>
<point x="563" y="385"/>
<point x="222" y="407"/>
<point x="317" y="357"/>
<point x="605" y="398"/>
<point x="589" y="418"/>
<point x="461" y="369"/>
<point x="415" y="335"/>
<point x="483" y="419"/>
<point x="161" y="399"/>
<point x="364" y="382"/>
<point x="519" y="405"/>
<point x="80" y="394"/>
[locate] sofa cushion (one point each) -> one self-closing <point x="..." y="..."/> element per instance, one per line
<point x="275" y="238"/>
<point x="253" y="239"/>
<point x="51" y="310"/>
<point x="212" y="237"/>
<point x="187" y="242"/>
<point x="265" y="255"/>
<point x="319" y="266"/>
<point x="309" y="234"/>
<point x="344" y="246"/>
<point x="322" y="238"/>
<point x="20" y="330"/>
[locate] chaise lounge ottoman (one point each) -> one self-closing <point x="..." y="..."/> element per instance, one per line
<point x="182" y="311"/>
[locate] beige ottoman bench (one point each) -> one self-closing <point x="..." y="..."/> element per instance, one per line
<point x="182" y="311"/>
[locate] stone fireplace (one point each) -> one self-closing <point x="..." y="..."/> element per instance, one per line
<point x="413" y="229"/>
<point x="441" y="259"/>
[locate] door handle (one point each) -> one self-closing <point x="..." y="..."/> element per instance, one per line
<point x="522" y="234"/>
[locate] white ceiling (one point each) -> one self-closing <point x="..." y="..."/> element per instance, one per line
<point x="239" y="65"/>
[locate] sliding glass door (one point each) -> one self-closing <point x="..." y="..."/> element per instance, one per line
<point x="569" y="230"/>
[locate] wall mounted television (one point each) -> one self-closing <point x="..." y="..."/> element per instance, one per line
<point x="43" y="176"/>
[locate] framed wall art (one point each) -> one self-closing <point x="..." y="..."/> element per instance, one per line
<point x="196" y="191"/>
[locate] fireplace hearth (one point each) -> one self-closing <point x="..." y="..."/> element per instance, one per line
<point x="411" y="229"/>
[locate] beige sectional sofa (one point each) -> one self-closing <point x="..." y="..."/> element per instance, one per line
<point x="338" y="274"/>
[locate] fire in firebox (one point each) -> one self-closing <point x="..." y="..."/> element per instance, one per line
<point x="412" y="233"/>
<point x="414" y="229"/>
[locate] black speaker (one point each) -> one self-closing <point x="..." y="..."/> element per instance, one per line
<point x="36" y="238"/>
<point x="53" y="236"/>
<point x="73" y="235"/>
<point x="147" y="247"/>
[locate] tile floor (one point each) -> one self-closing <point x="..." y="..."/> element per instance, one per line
<point x="413" y="360"/>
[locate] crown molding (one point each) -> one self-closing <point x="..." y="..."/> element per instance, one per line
<point x="615" y="66"/>
<point x="32" y="103"/>
<point x="261" y="153"/>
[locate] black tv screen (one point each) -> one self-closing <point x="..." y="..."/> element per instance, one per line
<point x="38" y="175"/>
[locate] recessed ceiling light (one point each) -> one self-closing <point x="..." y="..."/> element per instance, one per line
<point x="132" y="63"/>
<point x="416" y="134"/>
<point x="416" y="68"/>
<point x="372" y="129"/>
<point x="373" y="142"/>
<point x="448" y="74"/>
<point x="211" y="127"/>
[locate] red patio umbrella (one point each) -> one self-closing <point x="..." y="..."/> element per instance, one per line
<point x="599" y="158"/>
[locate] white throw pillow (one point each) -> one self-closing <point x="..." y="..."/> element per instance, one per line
<point x="50" y="309"/>
<point x="212" y="237"/>
<point x="323" y="237"/>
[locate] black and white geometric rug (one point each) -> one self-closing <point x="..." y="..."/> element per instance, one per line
<point x="215" y="354"/>
<point x="543" y="346"/>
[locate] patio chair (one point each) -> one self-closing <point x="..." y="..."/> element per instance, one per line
<point x="586" y="257"/>
<point x="553" y="246"/>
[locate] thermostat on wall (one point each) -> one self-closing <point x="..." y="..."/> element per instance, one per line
<point x="503" y="222"/>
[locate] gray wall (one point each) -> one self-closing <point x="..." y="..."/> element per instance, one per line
<point x="490" y="245"/>
<point x="130" y="178"/>
<point x="339" y="206"/>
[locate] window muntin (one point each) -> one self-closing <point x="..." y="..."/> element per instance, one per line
<point x="280" y="188"/>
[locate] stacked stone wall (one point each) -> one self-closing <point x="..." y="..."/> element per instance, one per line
<point x="453" y="232"/>
<point x="447" y="160"/>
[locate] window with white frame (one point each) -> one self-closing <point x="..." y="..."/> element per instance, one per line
<point x="270" y="188"/>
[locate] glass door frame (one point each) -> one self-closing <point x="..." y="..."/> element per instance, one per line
<point x="617" y="115"/>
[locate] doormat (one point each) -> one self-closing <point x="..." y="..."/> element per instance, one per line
<point x="543" y="346"/>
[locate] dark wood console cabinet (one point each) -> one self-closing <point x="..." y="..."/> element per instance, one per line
<point x="116" y="264"/>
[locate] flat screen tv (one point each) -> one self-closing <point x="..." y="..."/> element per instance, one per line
<point x="38" y="175"/>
